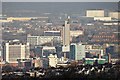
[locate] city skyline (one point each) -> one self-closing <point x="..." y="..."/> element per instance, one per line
<point x="60" y="40"/>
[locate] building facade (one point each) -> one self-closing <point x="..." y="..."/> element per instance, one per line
<point x="52" y="33"/>
<point x="77" y="51"/>
<point x="39" y="40"/>
<point x="94" y="50"/>
<point x="76" y="33"/>
<point x="66" y="36"/>
<point x="114" y="15"/>
<point x="102" y="18"/>
<point x="15" y="51"/>
<point x="33" y="40"/>
<point x="95" y="13"/>
<point x="44" y="51"/>
<point x="52" y="60"/>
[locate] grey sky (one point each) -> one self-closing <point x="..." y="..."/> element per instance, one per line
<point x="59" y="0"/>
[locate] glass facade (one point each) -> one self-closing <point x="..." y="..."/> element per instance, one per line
<point x="72" y="52"/>
<point x="77" y="52"/>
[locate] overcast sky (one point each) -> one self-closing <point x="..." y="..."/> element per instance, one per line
<point x="59" y="0"/>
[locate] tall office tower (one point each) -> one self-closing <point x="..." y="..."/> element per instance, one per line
<point x="66" y="36"/>
<point x="95" y="13"/>
<point x="77" y="51"/>
<point x="14" y="51"/>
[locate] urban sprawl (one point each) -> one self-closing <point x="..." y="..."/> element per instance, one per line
<point x="61" y="47"/>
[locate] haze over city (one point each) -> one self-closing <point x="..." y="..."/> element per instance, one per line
<point x="44" y="40"/>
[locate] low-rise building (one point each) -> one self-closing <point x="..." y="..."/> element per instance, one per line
<point x="52" y="33"/>
<point x="114" y="15"/>
<point x="92" y="61"/>
<point x="53" y="60"/>
<point x="39" y="40"/>
<point x="19" y="18"/>
<point x="76" y="33"/>
<point x="102" y="18"/>
<point x="94" y="50"/>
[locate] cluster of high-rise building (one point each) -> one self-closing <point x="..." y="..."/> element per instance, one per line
<point x="57" y="48"/>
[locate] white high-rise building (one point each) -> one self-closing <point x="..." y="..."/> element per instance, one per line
<point x="15" y="51"/>
<point x="66" y="36"/>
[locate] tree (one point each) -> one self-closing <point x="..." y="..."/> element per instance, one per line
<point x="7" y="68"/>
